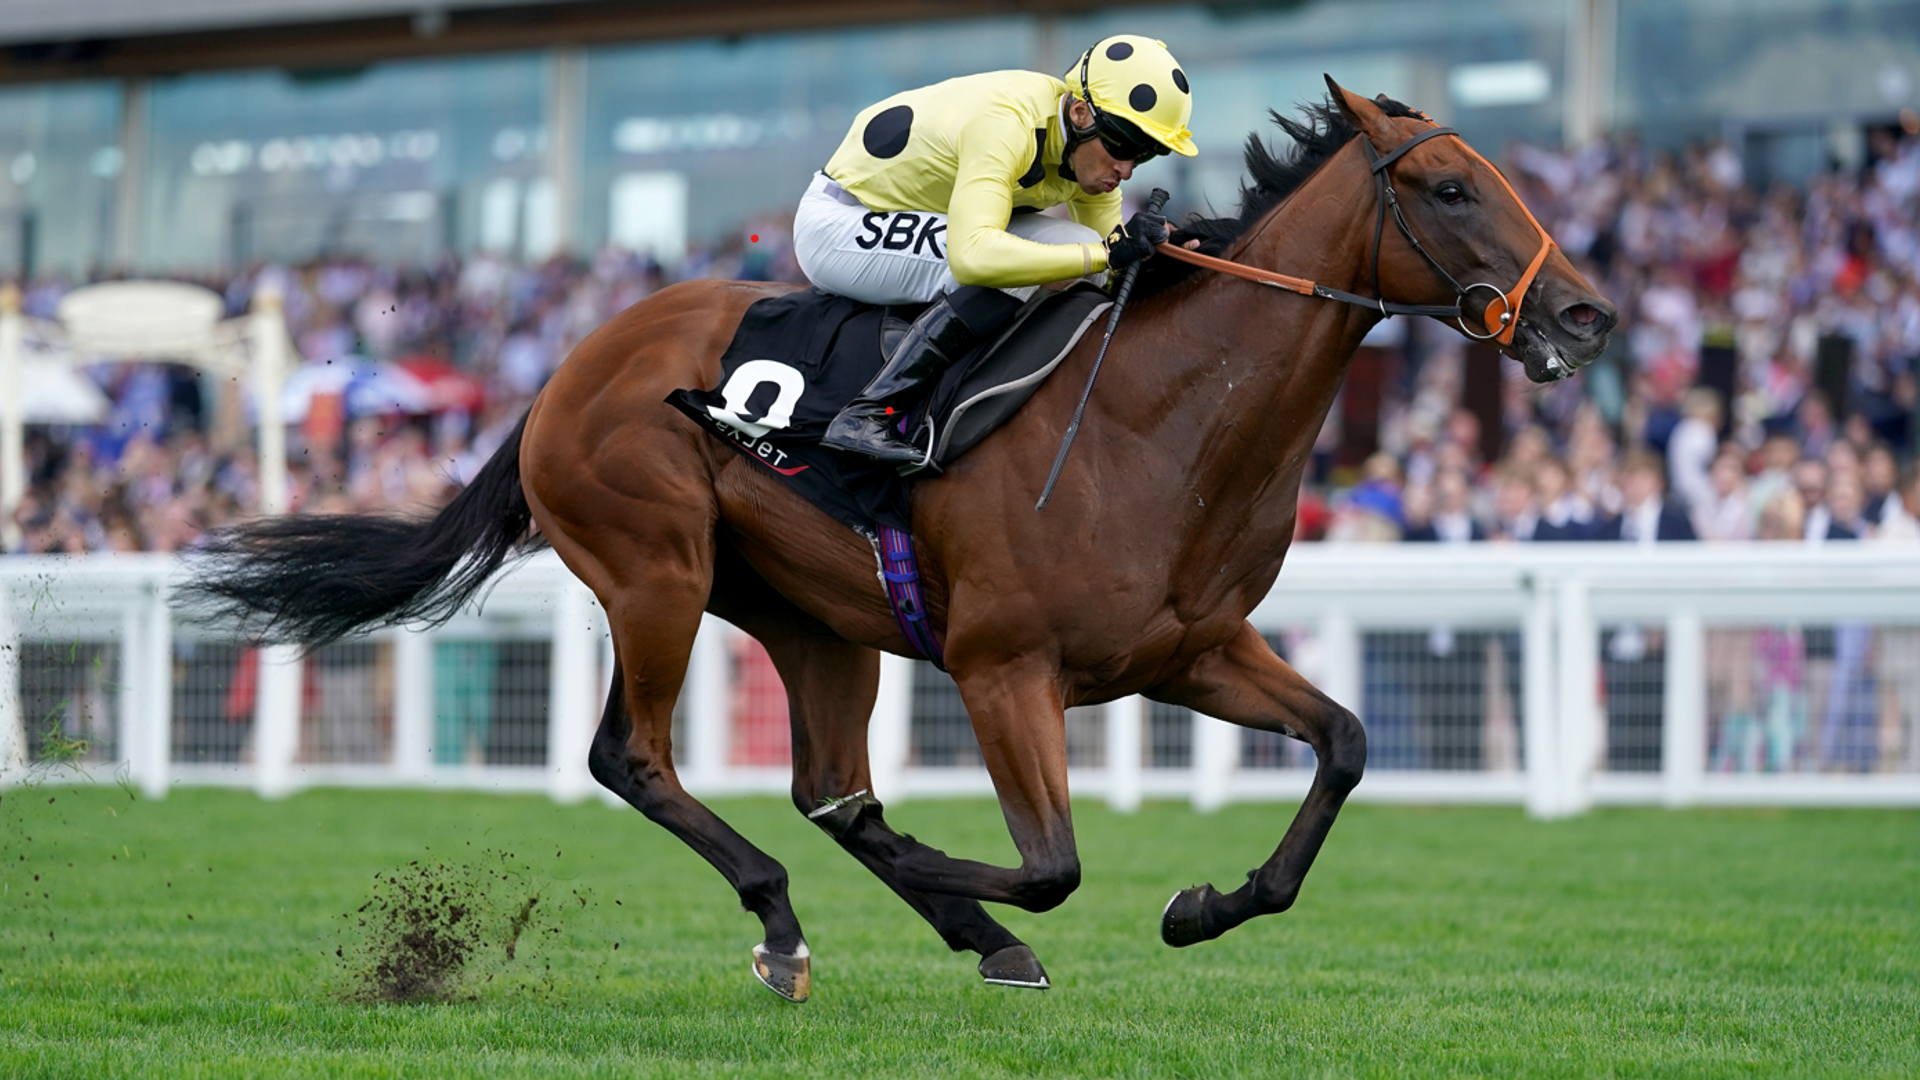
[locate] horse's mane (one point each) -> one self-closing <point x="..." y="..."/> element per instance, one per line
<point x="1271" y="177"/>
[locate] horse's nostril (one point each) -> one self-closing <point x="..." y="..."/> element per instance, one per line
<point x="1587" y="320"/>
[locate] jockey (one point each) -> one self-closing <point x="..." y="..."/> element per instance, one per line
<point x="931" y="197"/>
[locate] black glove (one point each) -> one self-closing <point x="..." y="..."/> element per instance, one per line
<point x="1136" y="239"/>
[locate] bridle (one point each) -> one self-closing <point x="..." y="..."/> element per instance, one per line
<point x="1500" y="318"/>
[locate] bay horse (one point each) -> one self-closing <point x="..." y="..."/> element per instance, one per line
<point x="1168" y="526"/>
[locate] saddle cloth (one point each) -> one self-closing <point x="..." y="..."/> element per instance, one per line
<point x="797" y="359"/>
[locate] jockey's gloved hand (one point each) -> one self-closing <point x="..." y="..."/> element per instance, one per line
<point x="1136" y="239"/>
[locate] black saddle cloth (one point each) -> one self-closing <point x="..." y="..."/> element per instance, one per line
<point x="797" y="359"/>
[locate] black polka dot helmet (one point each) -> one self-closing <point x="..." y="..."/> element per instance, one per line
<point x="1135" y="88"/>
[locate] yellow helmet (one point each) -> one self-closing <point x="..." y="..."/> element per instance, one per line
<point x="1135" y="81"/>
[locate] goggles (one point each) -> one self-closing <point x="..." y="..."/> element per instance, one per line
<point x="1123" y="141"/>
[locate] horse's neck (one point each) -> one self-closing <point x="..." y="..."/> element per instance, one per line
<point x="1263" y="368"/>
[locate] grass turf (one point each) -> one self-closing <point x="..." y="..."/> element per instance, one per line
<point x="195" y="937"/>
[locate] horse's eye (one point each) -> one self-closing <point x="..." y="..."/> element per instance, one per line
<point x="1451" y="193"/>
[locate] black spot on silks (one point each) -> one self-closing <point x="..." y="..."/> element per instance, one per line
<point x="1142" y="98"/>
<point x="1119" y="50"/>
<point x="887" y="133"/>
<point x="1180" y="80"/>
<point x="1038" y="170"/>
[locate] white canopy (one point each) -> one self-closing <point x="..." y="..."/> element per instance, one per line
<point x="52" y="392"/>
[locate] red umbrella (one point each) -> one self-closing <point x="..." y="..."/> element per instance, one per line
<point x="447" y="386"/>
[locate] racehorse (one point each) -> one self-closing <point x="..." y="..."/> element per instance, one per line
<point x="1169" y="525"/>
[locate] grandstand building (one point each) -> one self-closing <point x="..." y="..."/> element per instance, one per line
<point x="202" y="135"/>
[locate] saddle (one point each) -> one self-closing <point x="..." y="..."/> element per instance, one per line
<point x="797" y="359"/>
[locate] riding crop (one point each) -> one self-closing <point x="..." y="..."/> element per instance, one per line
<point x="1154" y="203"/>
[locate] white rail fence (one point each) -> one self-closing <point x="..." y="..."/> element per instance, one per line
<point x="1551" y="676"/>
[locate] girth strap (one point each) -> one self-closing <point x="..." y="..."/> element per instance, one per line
<point x="900" y="573"/>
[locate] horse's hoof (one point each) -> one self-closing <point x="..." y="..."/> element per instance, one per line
<point x="1014" y="965"/>
<point x="789" y="976"/>
<point x="1183" y="923"/>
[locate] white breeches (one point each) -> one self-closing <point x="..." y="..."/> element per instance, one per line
<point x="894" y="258"/>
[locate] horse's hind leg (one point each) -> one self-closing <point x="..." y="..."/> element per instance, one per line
<point x="830" y="686"/>
<point x="632" y="757"/>
<point x="1245" y="683"/>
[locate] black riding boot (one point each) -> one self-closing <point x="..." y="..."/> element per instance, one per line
<point x="867" y="425"/>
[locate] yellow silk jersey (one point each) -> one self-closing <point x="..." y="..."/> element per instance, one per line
<point x="974" y="148"/>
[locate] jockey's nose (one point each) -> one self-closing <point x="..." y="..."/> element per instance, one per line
<point x="1125" y="168"/>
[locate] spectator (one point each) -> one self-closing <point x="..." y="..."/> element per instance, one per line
<point x="1516" y="515"/>
<point x="1846" y="509"/>
<point x="1900" y="515"/>
<point x="1565" y="514"/>
<point x="1897" y="647"/>
<point x="1778" y="456"/>
<point x="1450" y="521"/>
<point x="1848" y="739"/>
<point x="1727" y="514"/>
<point x="1646" y="515"/>
<point x="1417" y="504"/>
<point x="1880" y="472"/>
<point x="1372" y="511"/>
<point x="1693" y="446"/>
<point x="1815" y="420"/>
<point x="1810" y="480"/>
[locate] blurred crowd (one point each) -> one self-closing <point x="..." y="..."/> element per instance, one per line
<point x="175" y="456"/>
<point x="1761" y="385"/>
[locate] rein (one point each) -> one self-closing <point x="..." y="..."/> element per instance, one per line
<point x="1499" y="323"/>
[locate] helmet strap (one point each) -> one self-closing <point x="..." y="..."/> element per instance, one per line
<point x="1074" y="136"/>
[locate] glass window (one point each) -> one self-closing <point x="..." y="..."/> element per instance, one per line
<point x="396" y="162"/>
<point x="1796" y="80"/>
<point x="686" y="141"/>
<point x="59" y="160"/>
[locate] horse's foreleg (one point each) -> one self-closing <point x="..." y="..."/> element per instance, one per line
<point x="830" y="685"/>
<point x="1021" y="726"/>
<point x="632" y="757"/>
<point x="831" y="696"/>
<point x="1245" y="683"/>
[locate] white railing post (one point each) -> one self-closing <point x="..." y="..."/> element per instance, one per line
<point x="13" y="732"/>
<point x="1578" y="683"/>
<point x="276" y="720"/>
<point x="1342" y="671"/>
<point x="132" y="694"/>
<point x="1683" y="729"/>
<point x="708" y="716"/>
<point x="1216" y="758"/>
<point x="571" y="690"/>
<point x="413" y="704"/>
<point x="604" y="673"/>
<point x="890" y="731"/>
<point x="13" y="437"/>
<point x="1340" y="654"/>
<point x="1540" y="698"/>
<point x="267" y="331"/>
<point x="1126" y="719"/>
<point x="276" y="715"/>
<point x="155" y="773"/>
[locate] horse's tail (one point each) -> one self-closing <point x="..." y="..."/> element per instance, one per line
<point x="315" y="579"/>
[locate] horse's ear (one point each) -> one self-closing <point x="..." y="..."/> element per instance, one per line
<point x="1364" y="115"/>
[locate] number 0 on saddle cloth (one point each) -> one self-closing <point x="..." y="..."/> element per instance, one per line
<point x="797" y="359"/>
